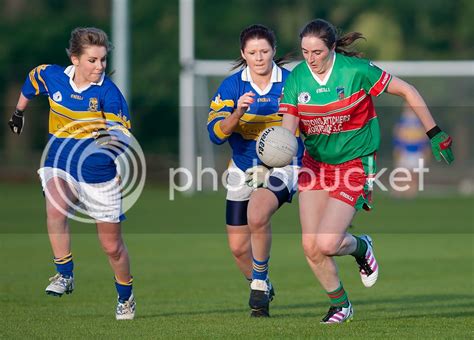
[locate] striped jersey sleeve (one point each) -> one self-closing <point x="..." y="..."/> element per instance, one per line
<point x="376" y="80"/>
<point x="115" y="110"/>
<point x="289" y="100"/>
<point x="36" y="82"/>
<point x="222" y="105"/>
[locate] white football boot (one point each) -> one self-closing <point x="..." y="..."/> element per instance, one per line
<point x="368" y="267"/>
<point x="338" y="315"/>
<point x="125" y="310"/>
<point x="60" y="285"/>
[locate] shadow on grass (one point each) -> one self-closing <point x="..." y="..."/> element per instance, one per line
<point x="431" y="314"/>
<point x="432" y="301"/>
<point x="401" y="307"/>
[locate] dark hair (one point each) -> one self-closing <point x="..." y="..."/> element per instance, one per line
<point x="327" y="32"/>
<point x="256" y="32"/>
<point x="82" y="37"/>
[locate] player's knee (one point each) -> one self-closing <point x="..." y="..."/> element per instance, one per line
<point x="114" y="250"/>
<point x="328" y="246"/>
<point x="258" y="219"/>
<point x="239" y="251"/>
<point x="310" y="249"/>
<point x="56" y="214"/>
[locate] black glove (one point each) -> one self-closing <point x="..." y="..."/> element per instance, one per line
<point x="102" y="137"/>
<point x="16" y="121"/>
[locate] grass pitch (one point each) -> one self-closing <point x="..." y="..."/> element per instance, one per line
<point x="187" y="285"/>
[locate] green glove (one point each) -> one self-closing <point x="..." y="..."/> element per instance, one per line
<point x="441" y="144"/>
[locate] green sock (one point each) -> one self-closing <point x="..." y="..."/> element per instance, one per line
<point x="338" y="297"/>
<point x="361" y="248"/>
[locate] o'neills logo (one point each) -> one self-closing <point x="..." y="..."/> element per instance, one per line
<point x="347" y="196"/>
<point x="385" y="78"/>
<point x="263" y="138"/>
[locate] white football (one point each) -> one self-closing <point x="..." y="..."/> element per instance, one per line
<point x="276" y="147"/>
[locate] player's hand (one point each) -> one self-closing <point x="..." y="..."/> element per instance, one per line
<point x="102" y="137"/>
<point x="441" y="145"/>
<point x="244" y="102"/>
<point x="16" y="121"/>
<point x="257" y="176"/>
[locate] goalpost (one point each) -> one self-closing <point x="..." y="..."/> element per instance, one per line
<point x="195" y="95"/>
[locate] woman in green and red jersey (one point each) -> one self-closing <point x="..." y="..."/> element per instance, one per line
<point x="329" y="97"/>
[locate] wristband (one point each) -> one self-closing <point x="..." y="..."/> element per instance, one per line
<point x="433" y="132"/>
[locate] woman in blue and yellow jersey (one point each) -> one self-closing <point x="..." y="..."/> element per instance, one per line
<point x="244" y="105"/>
<point x="411" y="150"/>
<point x="89" y="125"/>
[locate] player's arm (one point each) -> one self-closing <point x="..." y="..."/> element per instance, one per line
<point x="288" y="105"/>
<point x="34" y="85"/>
<point x="22" y="102"/>
<point x="117" y="121"/>
<point x="229" y="124"/>
<point x="115" y="136"/>
<point x="222" y="106"/>
<point x="290" y="122"/>
<point x="17" y="119"/>
<point x="440" y="141"/>
<point x="224" y="115"/>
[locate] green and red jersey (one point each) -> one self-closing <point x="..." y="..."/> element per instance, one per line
<point x="337" y="115"/>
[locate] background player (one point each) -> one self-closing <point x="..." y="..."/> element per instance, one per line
<point x="329" y="97"/>
<point x="410" y="145"/>
<point x="244" y="105"/>
<point x="88" y="125"/>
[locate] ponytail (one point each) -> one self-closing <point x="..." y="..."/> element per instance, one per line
<point x="325" y="31"/>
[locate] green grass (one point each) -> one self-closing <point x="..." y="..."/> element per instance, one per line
<point x="187" y="285"/>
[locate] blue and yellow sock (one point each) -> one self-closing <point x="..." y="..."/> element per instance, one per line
<point x="260" y="269"/>
<point x="64" y="265"/>
<point x="124" y="289"/>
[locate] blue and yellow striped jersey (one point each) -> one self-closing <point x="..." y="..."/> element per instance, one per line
<point x="262" y="113"/>
<point x="74" y="115"/>
<point x="410" y="136"/>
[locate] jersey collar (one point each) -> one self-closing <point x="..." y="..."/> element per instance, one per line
<point x="70" y="70"/>
<point x="277" y="77"/>
<point x="326" y="77"/>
